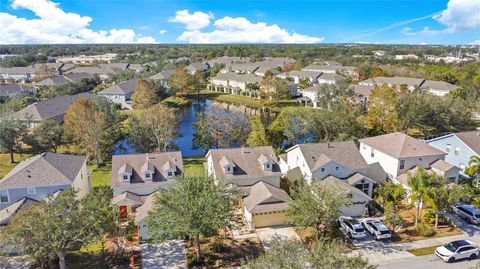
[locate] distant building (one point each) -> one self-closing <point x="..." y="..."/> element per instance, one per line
<point x="438" y="88"/>
<point x="163" y="77"/>
<point x="197" y="66"/>
<point x="401" y="57"/>
<point x="88" y="59"/>
<point x="14" y="90"/>
<point x="120" y="93"/>
<point x="60" y="80"/>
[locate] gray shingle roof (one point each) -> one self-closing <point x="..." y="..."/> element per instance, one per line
<point x="400" y="145"/>
<point x="13" y="89"/>
<point x="163" y="75"/>
<point x="301" y="74"/>
<point x="345" y="153"/>
<point x="124" y="87"/>
<point x="471" y="139"/>
<point x="142" y="211"/>
<point x="18" y="70"/>
<point x="226" y="60"/>
<point x="248" y="68"/>
<point x="136" y="161"/>
<point x="197" y="66"/>
<point x="438" y="85"/>
<point x="245" y="160"/>
<point x="264" y="197"/>
<point x="362" y="90"/>
<point x="344" y="185"/>
<point x="7" y="213"/>
<point x="332" y="77"/>
<point x="44" y="169"/>
<point x="395" y="81"/>
<point x="246" y="78"/>
<point x="49" y="108"/>
<point x="58" y="80"/>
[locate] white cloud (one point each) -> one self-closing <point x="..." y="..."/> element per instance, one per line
<point x="162" y="32"/>
<point x="241" y="30"/>
<point x="144" y="27"/>
<point x="476" y="42"/>
<point x="54" y="25"/>
<point x="407" y="31"/>
<point x="460" y="15"/>
<point x="192" y="21"/>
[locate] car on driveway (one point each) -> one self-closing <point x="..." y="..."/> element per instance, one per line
<point x="352" y="227"/>
<point x="377" y="229"/>
<point x="468" y="213"/>
<point x="458" y="250"/>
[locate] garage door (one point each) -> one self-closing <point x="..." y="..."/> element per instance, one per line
<point x="271" y="219"/>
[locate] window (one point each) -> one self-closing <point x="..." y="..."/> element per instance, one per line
<point x="31" y="190"/>
<point x="420" y="159"/>
<point x="229" y="169"/>
<point x="322" y="169"/>
<point x="363" y="187"/>
<point x="4" y="196"/>
<point x="147" y="175"/>
<point x="170" y="174"/>
<point x="337" y="168"/>
<point x="402" y="164"/>
<point x="457" y="150"/>
<point x="268" y="166"/>
<point x="125" y="177"/>
<point x="448" y="148"/>
<point x="372" y="153"/>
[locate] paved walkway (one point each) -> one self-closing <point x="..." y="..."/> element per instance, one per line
<point x="266" y="235"/>
<point x="167" y="255"/>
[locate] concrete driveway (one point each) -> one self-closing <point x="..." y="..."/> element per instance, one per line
<point x="266" y="235"/>
<point x="166" y="255"/>
<point x="469" y="229"/>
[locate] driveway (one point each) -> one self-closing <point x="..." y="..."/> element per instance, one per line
<point x="266" y="235"/>
<point x="428" y="262"/>
<point x="166" y="255"/>
<point x="470" y="229"/>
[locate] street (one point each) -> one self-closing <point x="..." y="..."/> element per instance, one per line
<point x="426" y="262"/>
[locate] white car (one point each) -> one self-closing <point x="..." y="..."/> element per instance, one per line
<point x="352" y="227"/>
<point x="377" y="229"/>
<point x="458" y="250"/>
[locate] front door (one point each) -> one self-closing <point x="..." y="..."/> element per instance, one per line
<point x="123" y="211"/>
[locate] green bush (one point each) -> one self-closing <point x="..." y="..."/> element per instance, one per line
<point x="425" y="230"/>
<point x="218" y="246"/>
<point x="130" y="230"/>
<point x="429" y="215"/>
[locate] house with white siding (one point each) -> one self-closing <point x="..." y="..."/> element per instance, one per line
<point x="438" y="88"/>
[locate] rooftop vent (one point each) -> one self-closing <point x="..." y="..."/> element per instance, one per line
<point x="245" y="150"/>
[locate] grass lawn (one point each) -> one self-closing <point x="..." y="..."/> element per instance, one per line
<point x="408" y="233"/>
<point x="100" y="176"/>
<point x="193" y="166"/>
<point x="423" y="251"/>
<point x="6" y="166"/>
<point x="174" y="101"/>
<point x="241" y="100"/>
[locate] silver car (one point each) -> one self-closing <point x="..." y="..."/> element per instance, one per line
<point x="468" y="213"/>
<point x="377" y="229"/>
<point x="352" y="227"/>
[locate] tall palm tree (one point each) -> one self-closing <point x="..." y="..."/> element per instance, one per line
<point x="418" y="184"/>
<point x="473" y="168"/>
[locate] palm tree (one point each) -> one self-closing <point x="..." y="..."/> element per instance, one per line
<point x="473" y="169"/>
<point x="418" y="184"/>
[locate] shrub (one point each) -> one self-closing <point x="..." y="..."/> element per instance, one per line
<point x="218" y="246"/>
<point x="429" y="215"/>
<point x="425" y="230"/>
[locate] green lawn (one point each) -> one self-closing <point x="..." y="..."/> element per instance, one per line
<point x="423" y="251"/>
<point x="6" y="166"/>
<point x="193" y="166"/>
<point x="100" y="176"/>
<point x="174" y="101"/>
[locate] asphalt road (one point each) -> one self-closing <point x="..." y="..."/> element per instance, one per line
<point x="427" y="262"/>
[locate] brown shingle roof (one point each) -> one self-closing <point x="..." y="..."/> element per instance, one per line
<point x="245" y="161"/>
<point x="344" y="185"/>
<point x="345" y="153"/>
<point x="400" y="145"/>
<point x="135" y="162"/>
<point x="264" y="197"/>
<point x="471" y="139"/>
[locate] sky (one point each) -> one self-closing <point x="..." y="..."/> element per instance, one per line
<point x="240" y="21"/>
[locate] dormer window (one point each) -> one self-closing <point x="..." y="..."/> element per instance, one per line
<point x="268" y="166"/>
<point x="148" y="176"/>
<point x="169" y="174"/>
<point x="322" y="169"/>
<point x="126" y="177"/>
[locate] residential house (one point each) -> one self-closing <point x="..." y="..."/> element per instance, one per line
<point x="350" y="71"/>
<point x="227" y="60"/>
<point x="235" y="84"/>
<point x="438" y="88"/>
<point x="50" y="109"/>
<point x="120" y="93"/>
<point x="163" y="77"/>
<point x="296" y="76"/>
<point x="10" y="211"/>
<point x="42" y="175"/>
<point x="136" y="176"/>
<point x="247" y="68"/>
<point x="197" y="66"/>
<point x="88" y="59"/>
<point x="14" y="90"/>
<point x="397" y="153"/>
<point x="330" y="78"/>
<point x="141" y="214"/>
<point x="104" y="71"/>
<point x="60" y="80"/>
<point x="244" y="166"/>
<point x="458" y="147"/>
<point x="263" y="69"/>
<point x="265" y="205"/>
<point x="439" y="167"/>
<point x="362" y="92"/>
<point x="341" y="160"/>
<point x="23" y="74"/>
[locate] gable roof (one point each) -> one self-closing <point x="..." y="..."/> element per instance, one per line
<point x="471" y="139"/>
<point x="13" y="89"/>
<point x="7" y="213"/>
<point x="332" y="76"/>
<point x="438" y="85"/>
<point x="400" y="145"/>
<point x="242" y="78"/>
<point x="197" y="66"/>
<point x="245" y="160"/>
<point x="163" y="75"/>
<point x="134" y="163"/>
<point x="443" y="166"/>
<point x="345" y="153"/>
<point x="141" y="212"/>
<point x="301" y="74"/>
<point x="58" y="80"/>
<point x="395" y="81"/>
<point x="49" y="108"/>
<point x="44" y="169"/>
<point x="243" y="67"/>
<point x="344" y="185"/>
<point x="362" y="90"/>
<point x="261" y="196"/>
<point x="227" y="60"/>
<point x="125" y="87"/>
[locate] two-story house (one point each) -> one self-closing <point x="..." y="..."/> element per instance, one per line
<point x="398" y="153"/>
<point x="235" y="83"/>
<point x="340" y="160"/>
<point x="120" y="93"/>
<point x="135" y="176"/>
<point x="459" y="147"/>
<point x="42" y="175"/>
<point x="163" y="77"/>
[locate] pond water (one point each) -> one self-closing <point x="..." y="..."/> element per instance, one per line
<point x="187" y="116"/>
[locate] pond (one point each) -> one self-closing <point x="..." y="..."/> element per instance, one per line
<point x="187" y="116"/>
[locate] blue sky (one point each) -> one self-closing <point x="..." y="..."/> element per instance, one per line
<point x="241" y="21"/>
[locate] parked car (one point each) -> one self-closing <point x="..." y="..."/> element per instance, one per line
<point x="458" y="250"/>
<point x="352" y="227"/>
<point x="468" y="213"/>
<point x="377" y="229"/>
